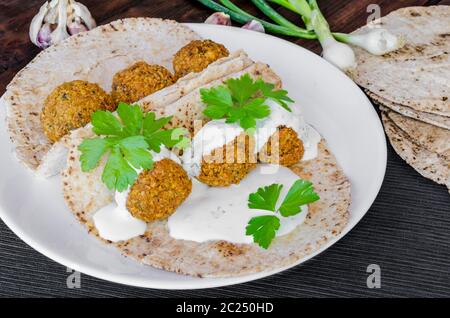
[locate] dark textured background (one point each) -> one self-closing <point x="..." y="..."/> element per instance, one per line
<point x="406" y="231"/>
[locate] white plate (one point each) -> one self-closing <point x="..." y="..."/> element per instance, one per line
<point x="34" y="209"/>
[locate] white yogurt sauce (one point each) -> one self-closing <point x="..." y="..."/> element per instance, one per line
<point x="217" y="133"/>
<point x="114" y="222"/>
<point x="221" y="213"/>
<point x="217" y="213"/>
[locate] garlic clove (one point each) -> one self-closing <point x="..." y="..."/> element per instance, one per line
<point x="60" y="33"/>
<point x="254" y="26"/>
<point x="80" y="10"/>
<point x="52" y="15"/>
<point x="36" y="23"/>
<point x="219" y="18"/>
<point x="76" y="27"/>
<point x="44" y="37"/>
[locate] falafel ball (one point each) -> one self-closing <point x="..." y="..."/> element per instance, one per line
<point x="283" y="148"/>
<point x="229" y="164"/>
<point x="157" y="193"/>
<point x="196" y="56"/>
<point x="70" y="106"/>
<point x="139" y="80"/>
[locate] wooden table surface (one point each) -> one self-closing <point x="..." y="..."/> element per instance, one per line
<point x="406" y="232"/>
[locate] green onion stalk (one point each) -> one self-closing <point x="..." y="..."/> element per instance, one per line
<point x="377" y="41"/>
<point x="300" y="7"/>
<point x="243" y="17"/>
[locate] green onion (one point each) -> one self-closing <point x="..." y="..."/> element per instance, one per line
<point x="243" y="17"/>
<point x="217" y="7"/>
<point x="300" y="7"/>
<point x="339" y="54"/>
<point x="275" y="16"/>
<point x="375" y="42"/>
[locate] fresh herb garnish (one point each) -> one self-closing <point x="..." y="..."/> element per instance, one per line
<point x="265" y="198"/>
<point x="264" y="227"/>
<point x="242" y="100"/>
<point x="301" y="193"/>
<point x="127" y="140"/>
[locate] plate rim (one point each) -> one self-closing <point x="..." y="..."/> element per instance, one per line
<point x="209" y="282"/>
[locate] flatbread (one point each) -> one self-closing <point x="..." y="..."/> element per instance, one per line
<point x="427" y="163"/>
<point x="433" y="119"/>
<point x="432" y="138"/>
<point x="85" y="194"/>
<point x="185" y="111"/>
<point x="94" y="56"/>
<point x="416" y="76"/>
<point x="188" y="110"/>
<point x="235" y="62"/>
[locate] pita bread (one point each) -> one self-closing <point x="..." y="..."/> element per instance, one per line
<point x="416" y="76"/>
<point x="94" y="56"/>
<point x="427" y="136"/>
<point x="85" y="194"/>
<point x="188" y="108"/>
<point x="235" y="62"/>
<point x="184" y="111"/>
<point x="427" y="163"/>
<point x="433" y="119"/>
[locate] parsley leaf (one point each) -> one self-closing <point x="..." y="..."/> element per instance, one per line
<point x="280" y="96"/>
<point x="127" y="141"/>
<point x="156" y="137"/>
<point x="118" y="174"/>
<point x="134" y="151"/>
<point x="299" y="194"/>
<point x="242" y="88"/>
<point x="263" y="229"/>
<point x="105" y="123"/>
<point x="219" y="101"/>
<point x="257" y="109"/>
<point x="92" y="150"/>
<point x="151" y="124"/>
<point x="242" y="100"/>
<point x="265" y="198"/>
<point x="131" y="116"/>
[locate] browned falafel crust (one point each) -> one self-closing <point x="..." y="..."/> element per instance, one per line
<point x="229" y="164"/>
<point x="196" y="56"/>
<point x="70" y="106"/>
<point x="283" y="148"/>
<point x="157" y="193"/>
<point x="139" y="80"/>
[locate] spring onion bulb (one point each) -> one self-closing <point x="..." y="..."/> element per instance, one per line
<point x="337" y="53"/>
<point x="376" y="41"/>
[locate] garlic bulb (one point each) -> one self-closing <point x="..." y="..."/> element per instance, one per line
<point x="219" y="18"/>
<point x="57" y="20"/>
<point x="254" y="26"/>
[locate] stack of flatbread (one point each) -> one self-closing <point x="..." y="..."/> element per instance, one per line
<point x="412" y="88"/>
